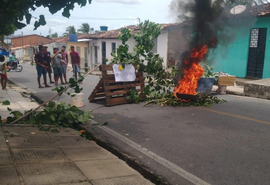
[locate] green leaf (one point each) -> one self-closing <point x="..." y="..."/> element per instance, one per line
<point x="16" y="114"/>
<point x="51" y="104"/>
<point x="52" y="117"/>
<point x="5" y="102"/>
<point x="66" y="13"/>
<point x="42" y="21"/>
<point x="20" y="25"/>
<point x="83" y="2"/>
<point x="36" y="25"/>
<point x="55" y="130"/>
<point x="28" y="17"/>
<point x="105" y="123"/>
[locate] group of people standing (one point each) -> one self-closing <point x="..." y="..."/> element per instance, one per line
<point x="45" y="62"/>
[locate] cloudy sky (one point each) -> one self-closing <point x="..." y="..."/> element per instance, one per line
<point x="111" y="13"/>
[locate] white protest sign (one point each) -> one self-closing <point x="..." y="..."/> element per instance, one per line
<point x="125" y="75"/>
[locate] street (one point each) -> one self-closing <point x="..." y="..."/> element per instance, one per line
<point x="227" y="144"/>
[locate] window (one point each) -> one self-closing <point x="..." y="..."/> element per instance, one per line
<point x="113" y="47"/>
<point x="85" y="52"/>
<point x="103" y="52"/>
<point x="254" y="38"/>
<point x="78" y="50"/>
<point x="96" y="54"/>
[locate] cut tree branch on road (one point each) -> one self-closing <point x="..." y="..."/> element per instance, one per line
<point x="47" y="101"/>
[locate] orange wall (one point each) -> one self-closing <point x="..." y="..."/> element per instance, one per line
<point x="30" y="40"/>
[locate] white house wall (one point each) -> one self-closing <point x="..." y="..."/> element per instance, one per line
<point x="19" y="53"/>
<point x="131" y="43"/>
<point x="98" y="43"/>
<point x="108" y="48"/>
<point x="91" y="46"/>
<point x="162" y="48"/>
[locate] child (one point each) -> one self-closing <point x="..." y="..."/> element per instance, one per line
<point x="3" y="72"/>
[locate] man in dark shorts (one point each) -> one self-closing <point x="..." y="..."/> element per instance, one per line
<point x="41" y="67"/>
<point x="76" y="61"/>
<point x="47" y="59"/>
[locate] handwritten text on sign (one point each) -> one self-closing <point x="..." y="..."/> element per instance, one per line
<point x="125" y="75"/>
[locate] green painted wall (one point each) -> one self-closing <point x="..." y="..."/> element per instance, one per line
<point x="231" y="55"/>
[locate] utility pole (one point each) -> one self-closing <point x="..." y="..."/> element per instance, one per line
<point x="139" y="20"/>
<point x="22" y="47"/>
<point x="22" y="39"/>
<point x="50" y="33"/>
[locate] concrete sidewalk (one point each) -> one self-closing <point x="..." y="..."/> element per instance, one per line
<point x="32" y="157"/>
<point x="249" y="87"/>
<point x="258" y="88"/>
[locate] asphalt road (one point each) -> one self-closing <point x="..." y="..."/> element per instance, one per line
<point x="227" y="144"/>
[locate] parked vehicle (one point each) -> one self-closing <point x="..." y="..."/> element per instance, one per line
<point x="15" y="66"/>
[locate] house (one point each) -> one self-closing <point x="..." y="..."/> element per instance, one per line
<point x="31" y="43"/>
<point x="33" y="39"/>
<point x="173" y="40"/>
<point x="26" y="46"/>
<point x="247" y="53"/>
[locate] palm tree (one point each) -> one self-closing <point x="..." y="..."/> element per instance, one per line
<point x="70" y="30"/>
<point x="85" y="28"/>
<point x="54" y="35"/>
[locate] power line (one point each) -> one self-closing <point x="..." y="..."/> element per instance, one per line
<point x="93" y="18"/>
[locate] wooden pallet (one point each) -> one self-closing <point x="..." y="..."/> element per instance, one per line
<point x="115" y="93"/>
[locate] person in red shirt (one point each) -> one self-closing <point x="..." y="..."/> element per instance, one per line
<point x="75" y="61"/>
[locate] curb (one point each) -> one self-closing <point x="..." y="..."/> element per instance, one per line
<point x="37" y="99"/>
<point x="133" y="162"/>
<point x="235" y="93"/>
<point x="17" y="84"/>
<point x="257" y="90"/>
<point x="230" y="92"/>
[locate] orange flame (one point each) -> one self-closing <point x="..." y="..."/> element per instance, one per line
<point x="189" y="82"/>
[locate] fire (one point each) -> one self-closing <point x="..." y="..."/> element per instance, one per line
<point x="188" y="83"/>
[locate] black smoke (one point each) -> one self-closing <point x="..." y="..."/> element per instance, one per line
<point x="212" y="25"/>
<point x="206" y="22"/>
